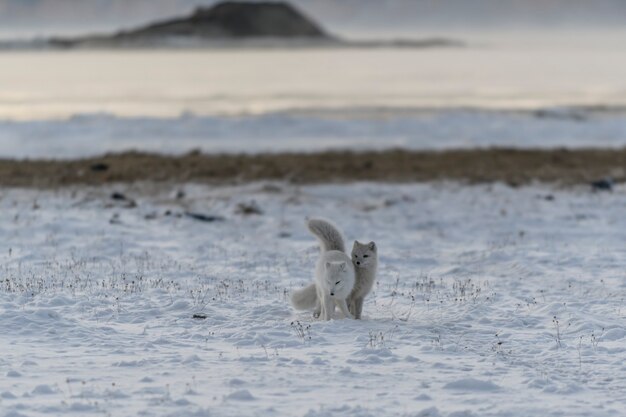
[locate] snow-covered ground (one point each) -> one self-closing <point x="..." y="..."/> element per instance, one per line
<point x="490" y="301"/>
<point x="306" y="131"/>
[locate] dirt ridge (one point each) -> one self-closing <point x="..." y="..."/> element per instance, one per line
<point x="512" y="166"/>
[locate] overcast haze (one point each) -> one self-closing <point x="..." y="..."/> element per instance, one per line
<point x="27" y="18"/>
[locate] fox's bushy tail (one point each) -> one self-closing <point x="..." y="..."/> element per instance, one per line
<point x="305" y="298"/>
<point x="327" y="233"/>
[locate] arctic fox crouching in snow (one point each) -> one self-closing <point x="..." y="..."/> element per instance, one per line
<point x="334" y="275"/>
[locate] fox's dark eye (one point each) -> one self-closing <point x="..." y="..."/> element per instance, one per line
<point x="337" y="283"/>
<point x="356" y="256"/>
<point x="365" y="256"/>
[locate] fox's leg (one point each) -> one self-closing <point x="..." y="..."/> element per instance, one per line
<point x="319" y="303"/>
<point x="318" y="309"/>
<point x="358" y="307"/>
<point x="331" y="307"/>
<point x="351" y="306"/>
<point x="328" y="306"/>
<point x="344" y="308"/>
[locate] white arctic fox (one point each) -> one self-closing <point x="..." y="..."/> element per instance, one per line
<point x="334" y="275"/>
<point x="365" y="259"/>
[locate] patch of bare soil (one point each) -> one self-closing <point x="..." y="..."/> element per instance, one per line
<point x="515" y="167"/>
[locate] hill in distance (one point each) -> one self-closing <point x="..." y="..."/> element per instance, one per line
<point x="231" y="24"/>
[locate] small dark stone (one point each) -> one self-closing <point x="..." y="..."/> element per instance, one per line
<point x="99" y="167"/>
<point x="247" y="209"/>
<point x="128" y="203"/>
<point x="209" y="218"/>
<point x="605" y="184"/>
<point x="271" y="188"/>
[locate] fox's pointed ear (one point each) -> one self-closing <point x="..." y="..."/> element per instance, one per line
<point x="327" y="264"/>
<point x="372" y="245"/>
<point x="356" y="243"/>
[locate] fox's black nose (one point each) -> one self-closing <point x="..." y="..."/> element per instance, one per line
<point x="332" y="294"/>
<point x="358" y="262"/>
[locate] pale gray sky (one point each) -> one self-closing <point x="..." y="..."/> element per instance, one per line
<point x="27" y="18"/>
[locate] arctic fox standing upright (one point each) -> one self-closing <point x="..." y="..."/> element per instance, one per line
<point x="365" y="259"/>
<point x="334" y="275"/>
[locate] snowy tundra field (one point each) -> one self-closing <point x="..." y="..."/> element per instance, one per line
<point x="353" y="129"/>
<point x="491" y="301"/>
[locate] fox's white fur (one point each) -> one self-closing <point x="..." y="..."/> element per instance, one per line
<point x="365" y="260"/>
<point x="334" y="274"/>
<point x="305" y="298"/>
<point x="328" y="234"/>
<point x="334" y="280"/>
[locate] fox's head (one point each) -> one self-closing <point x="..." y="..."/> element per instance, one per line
<point x="336" y="277"/>
<point x="364" y="254"/>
